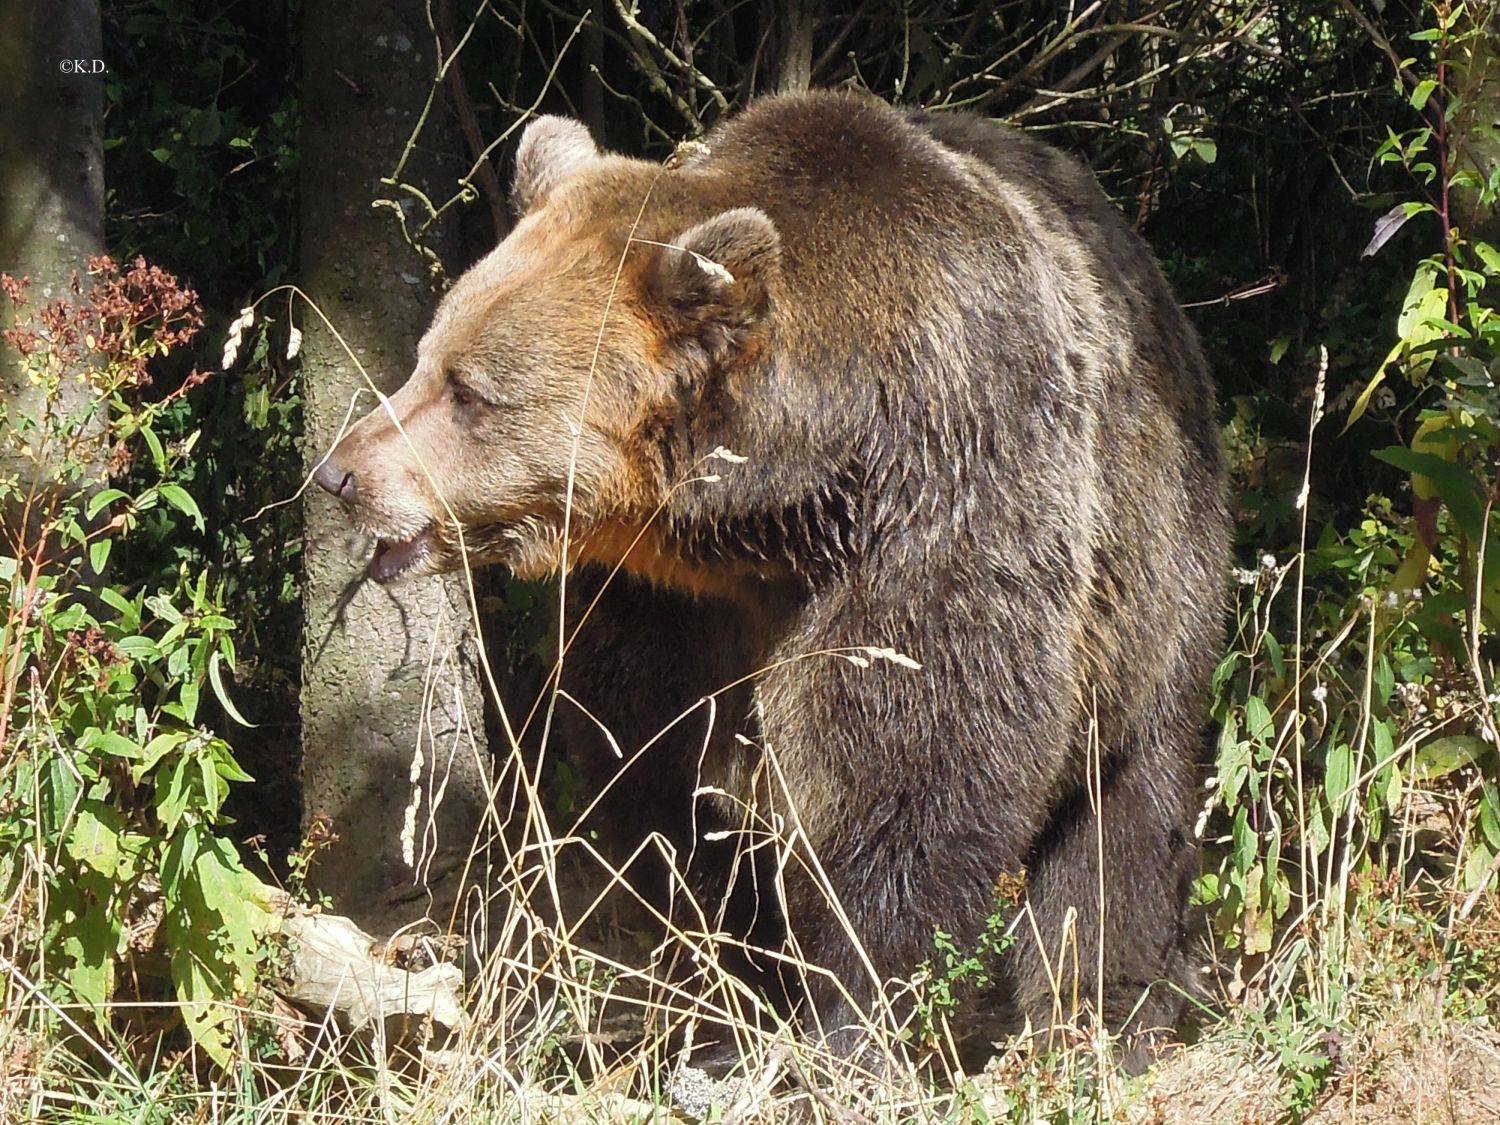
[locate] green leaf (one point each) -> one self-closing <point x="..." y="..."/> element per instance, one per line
<point x="200" y="991"/>
<point x="1362" y="403"/>
<point x="1443" y="756"/>
<point x="1422" y="92"/>
<point x="204" y="127"/>
<point x="1318" y="835"/>
<point x="158" y="455"/>
<point x="99" y="554"/>
<point x="1205" y="889"/>
<point x="1256" y="920"/>
<point x="225" y="764"/>
<point x="161" y="605"/>
<point x="99" y="499"/>
<point x="129" y="611"/>
<point x="216" y="680"/>
<point x="1489" y="818"/>
<point x="1273" y="650"/>
<point x="1477" y="868"/>
<point x="110" y="742"/>
<point x="1457" y="486"/>
<point x="1258" y="724"/>
<point x="187" y="695"/>
<point x="215" y="789"/>
<point x="1244" y="839"/>
<point x="1336" y="774"/>
<point x="177" y="496"/>
<point x="1488" y="255"/>
<point x="94" y="838"/>
<point x="1423" y="282"/>
<point x="143" y="649"/>
<point x="1390" y="789"/>
<point x="157" y="749"/>
<point x="174" y="793"/>
<point x="91" y="939"/>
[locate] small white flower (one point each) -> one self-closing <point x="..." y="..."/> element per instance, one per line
<point x="1268" y="561"/>
<point x="1320" y="694"/>
<point x="293" y="342"/>
<point x="1246" y="577"/>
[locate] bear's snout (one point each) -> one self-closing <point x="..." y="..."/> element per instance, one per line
<point x="334" y="478"/>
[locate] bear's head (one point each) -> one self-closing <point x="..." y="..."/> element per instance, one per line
<point x="547" y="392"/>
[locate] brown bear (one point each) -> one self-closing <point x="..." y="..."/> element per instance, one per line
<point x="845" y="377"/>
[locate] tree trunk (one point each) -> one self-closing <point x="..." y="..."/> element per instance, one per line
<point x="51" y="161"/>
<point x="388" y="672"/>
<point x="797" y="19"/>
<point x="1475" y="143"/>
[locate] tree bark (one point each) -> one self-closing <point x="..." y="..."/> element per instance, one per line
<point x="1475" y="143"/>
<point x="388" y="672"/>
<point x="797" y="19"/>
<point x="51" y="160"/>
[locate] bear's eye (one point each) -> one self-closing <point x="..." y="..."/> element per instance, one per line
<point x="463" y="394"/>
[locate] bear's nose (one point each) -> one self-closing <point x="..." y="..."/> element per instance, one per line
<point x="333" y="477"/>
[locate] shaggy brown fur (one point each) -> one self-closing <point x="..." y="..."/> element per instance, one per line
<point x="976" y="429"/>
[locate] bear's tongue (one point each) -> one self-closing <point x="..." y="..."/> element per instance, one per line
<point x="393" y="556"/>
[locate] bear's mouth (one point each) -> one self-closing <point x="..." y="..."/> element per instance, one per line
<point x="394" y="557"/>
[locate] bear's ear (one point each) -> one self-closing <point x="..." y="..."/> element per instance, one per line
<point x="718" y="272"/>
<point x="551" y="150"/>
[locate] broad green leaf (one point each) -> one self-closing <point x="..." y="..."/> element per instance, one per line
<point x="1318" y="834"/>
<point x="1244" y="840"/>
<point x="157" y="749"/>
<point x="1422" y="91"/>
<point x="101" y="498"/>
<point x="1255" y="922"/>
<point x="209" y="1019"/>
<point x="1392" y="789"/>
<point x="179" y="498"/>
<point x="1443" y="756"/>
<point x="1488" y="255"/>
<point x="94" y="838"/>
<point x="226" y="765"/>
<point x="1489" y="818"/>
<point x="129" y="611"/>
<point x="1336" y="771"/>
<point x="143" y="649"/>
<point x="1205" y="889"/>
<point x="187" y="695"/>
<point x="110" y="742"/>
<point x="1477" y="867"/>
<point x="174" y="793"/>
<point x="1456" y="485"/>
<point x="1258" y="723"/>
<point x="99" y="554"/>
<point x="161" y="605"/>
<point x="1423" y="285"/>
